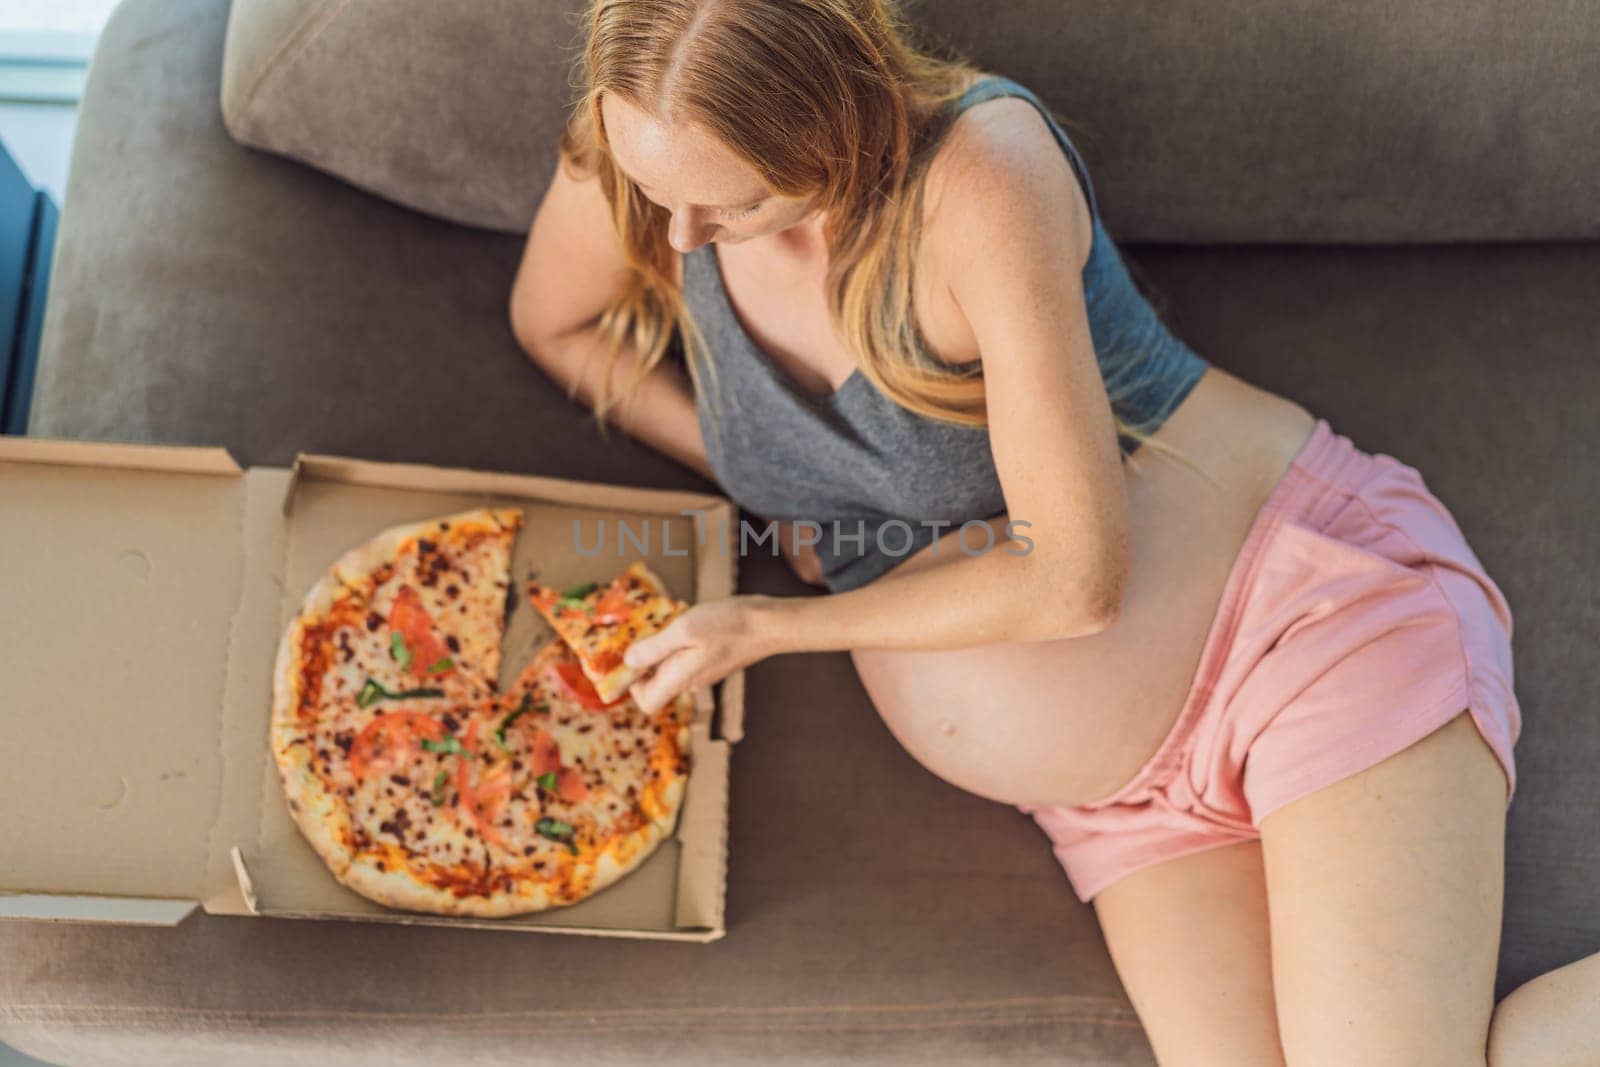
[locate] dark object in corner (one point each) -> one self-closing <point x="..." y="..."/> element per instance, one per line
<point x="27" y="236"/>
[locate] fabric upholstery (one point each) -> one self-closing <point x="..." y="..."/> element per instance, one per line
<point x="451" y="109"/>
<point x="206" y="293"/>
<point x="1245" y="121"/>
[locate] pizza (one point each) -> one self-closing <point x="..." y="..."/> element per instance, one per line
<point x="418" y="782"/>
<point x="601" y="621"/>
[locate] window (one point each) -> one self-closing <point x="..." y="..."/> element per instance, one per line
<point x="45" y="47"/>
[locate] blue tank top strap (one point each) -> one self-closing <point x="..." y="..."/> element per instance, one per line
<point x="993" y="85"/>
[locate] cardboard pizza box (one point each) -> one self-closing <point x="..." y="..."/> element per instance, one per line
<point x="143" y="592"/>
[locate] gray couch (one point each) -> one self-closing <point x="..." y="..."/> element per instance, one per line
<point x="1386" y="212"/>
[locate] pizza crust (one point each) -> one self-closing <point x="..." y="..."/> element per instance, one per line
<point x="399" y="889"/>
<point x="612" y="686"/>
<point x="323" y="822"/>
<point x="364" y="559"/>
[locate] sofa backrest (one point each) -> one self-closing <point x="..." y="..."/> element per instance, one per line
<point x="1272" y="121"/>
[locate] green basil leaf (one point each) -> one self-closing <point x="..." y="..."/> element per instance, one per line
<point x="373" y="692"/>
<point x="547" y="780"/>
<point x="554" y="829"/>
<point x="438" y="786"/>
<point x="449" y="744"/>
<point x="446" y="664"/>
<point x="402" y="654"/>
<point x="522" y="709"/>
<point x="578" y="592"/>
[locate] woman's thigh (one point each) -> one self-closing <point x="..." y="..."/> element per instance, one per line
<point x="1385" y="893"/>
<point x="1189" y="937"/>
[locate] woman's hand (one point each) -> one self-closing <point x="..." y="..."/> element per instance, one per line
<point x="700" y="648"/>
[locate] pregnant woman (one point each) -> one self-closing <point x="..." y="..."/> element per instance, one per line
<point x="1249" y="678"/>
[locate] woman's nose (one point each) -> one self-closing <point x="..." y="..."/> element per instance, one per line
<point x="684" y="234"/>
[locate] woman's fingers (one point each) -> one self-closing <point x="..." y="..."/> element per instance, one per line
<point x="672" y="676"/>
<point x="648" y="651"/>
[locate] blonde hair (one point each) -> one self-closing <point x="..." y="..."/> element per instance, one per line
<point x="830" y="99"/>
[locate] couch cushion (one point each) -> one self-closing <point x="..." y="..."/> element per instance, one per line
<point x="1252" y="120"/>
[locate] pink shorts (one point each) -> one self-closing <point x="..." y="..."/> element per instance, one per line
<point x="1355" y="621"/>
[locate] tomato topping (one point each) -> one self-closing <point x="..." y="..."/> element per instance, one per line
<point x="570" y="785"/>
<point x="391" y="741"/>
<point x="411" y="621"/>
<point x="570" y="680"/>
<point x="545" y="758"/>
<point x="607" y="659"/>
<point x="484" y="801"/>
<point x="541" y="597"/>
<point x="546" y="754"/>
<point x="612" y="605"/>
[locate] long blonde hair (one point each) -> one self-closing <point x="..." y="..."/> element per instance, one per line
<point x="830" y="99"/>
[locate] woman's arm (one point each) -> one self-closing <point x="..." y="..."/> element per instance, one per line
<point x="1055" y="449"/>
<point x="572" y="270"/>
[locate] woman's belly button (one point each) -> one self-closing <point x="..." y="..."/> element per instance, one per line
<point x="1066" y="722"/>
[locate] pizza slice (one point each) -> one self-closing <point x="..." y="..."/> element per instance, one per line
<point x="435" y="595"/>
<point x="599" y="622"/>
<point x="595" y="771"/>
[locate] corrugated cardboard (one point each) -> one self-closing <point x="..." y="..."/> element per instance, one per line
<point x="146" y="589"/>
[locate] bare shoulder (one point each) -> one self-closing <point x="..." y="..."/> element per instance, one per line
<point x="1000" y="167"/>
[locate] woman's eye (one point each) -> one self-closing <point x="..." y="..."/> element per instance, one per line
<point x="747" y="212"/>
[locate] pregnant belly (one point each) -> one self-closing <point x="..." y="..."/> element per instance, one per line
<point x="1066" y="722"/>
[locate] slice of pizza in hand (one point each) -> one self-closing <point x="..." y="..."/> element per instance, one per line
<point x="599" y="622"/>
<point x="435" y="595"/>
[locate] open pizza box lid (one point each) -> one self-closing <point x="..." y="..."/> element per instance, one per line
<point x="145" y="589"/>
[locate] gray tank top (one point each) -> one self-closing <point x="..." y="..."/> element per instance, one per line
<point x="881" y="481"/>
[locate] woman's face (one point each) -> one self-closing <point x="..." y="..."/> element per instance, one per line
<point x="712" y="194"/>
